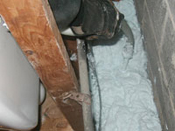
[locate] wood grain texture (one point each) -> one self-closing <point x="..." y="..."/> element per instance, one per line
<point x="33" y="26"/>
<point x="71" y="46"/>
<point x="52" y="117"/>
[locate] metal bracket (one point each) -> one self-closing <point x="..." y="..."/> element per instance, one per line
<point x="77" y="96"/>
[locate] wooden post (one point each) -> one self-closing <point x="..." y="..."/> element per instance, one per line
<point x="52" y="117"/>
<point x="32" y="24"/>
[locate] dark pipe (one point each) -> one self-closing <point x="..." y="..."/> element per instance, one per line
<point x="65" y="11"/>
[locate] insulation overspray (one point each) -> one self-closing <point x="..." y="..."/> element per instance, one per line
<point x="126" y="92"/>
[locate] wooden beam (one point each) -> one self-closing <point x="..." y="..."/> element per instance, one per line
<point x="32" y="24"/>
<point x="71" y="46"/>
<point x="52" y="118"/>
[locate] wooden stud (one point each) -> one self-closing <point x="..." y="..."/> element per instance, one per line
<point x="71" y="46"/>
<point x="32" y="24"/>
<point x="52" y="118"/>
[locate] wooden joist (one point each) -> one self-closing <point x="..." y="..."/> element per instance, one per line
<point x="32" y="24"/>
<point x="52" y="118"/>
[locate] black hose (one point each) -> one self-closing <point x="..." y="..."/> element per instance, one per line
<point x="93" y="68"/>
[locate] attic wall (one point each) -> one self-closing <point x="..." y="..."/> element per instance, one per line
<point x="157" y="21"/>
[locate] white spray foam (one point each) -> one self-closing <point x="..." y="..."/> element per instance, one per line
<point x="127" y="98"/>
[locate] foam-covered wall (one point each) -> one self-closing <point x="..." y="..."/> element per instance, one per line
<point x="123" y="101"/>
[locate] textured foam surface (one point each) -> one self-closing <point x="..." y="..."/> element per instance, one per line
<point x="127" y="98"/>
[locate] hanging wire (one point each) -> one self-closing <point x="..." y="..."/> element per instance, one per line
<point x="92" y="66"/>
